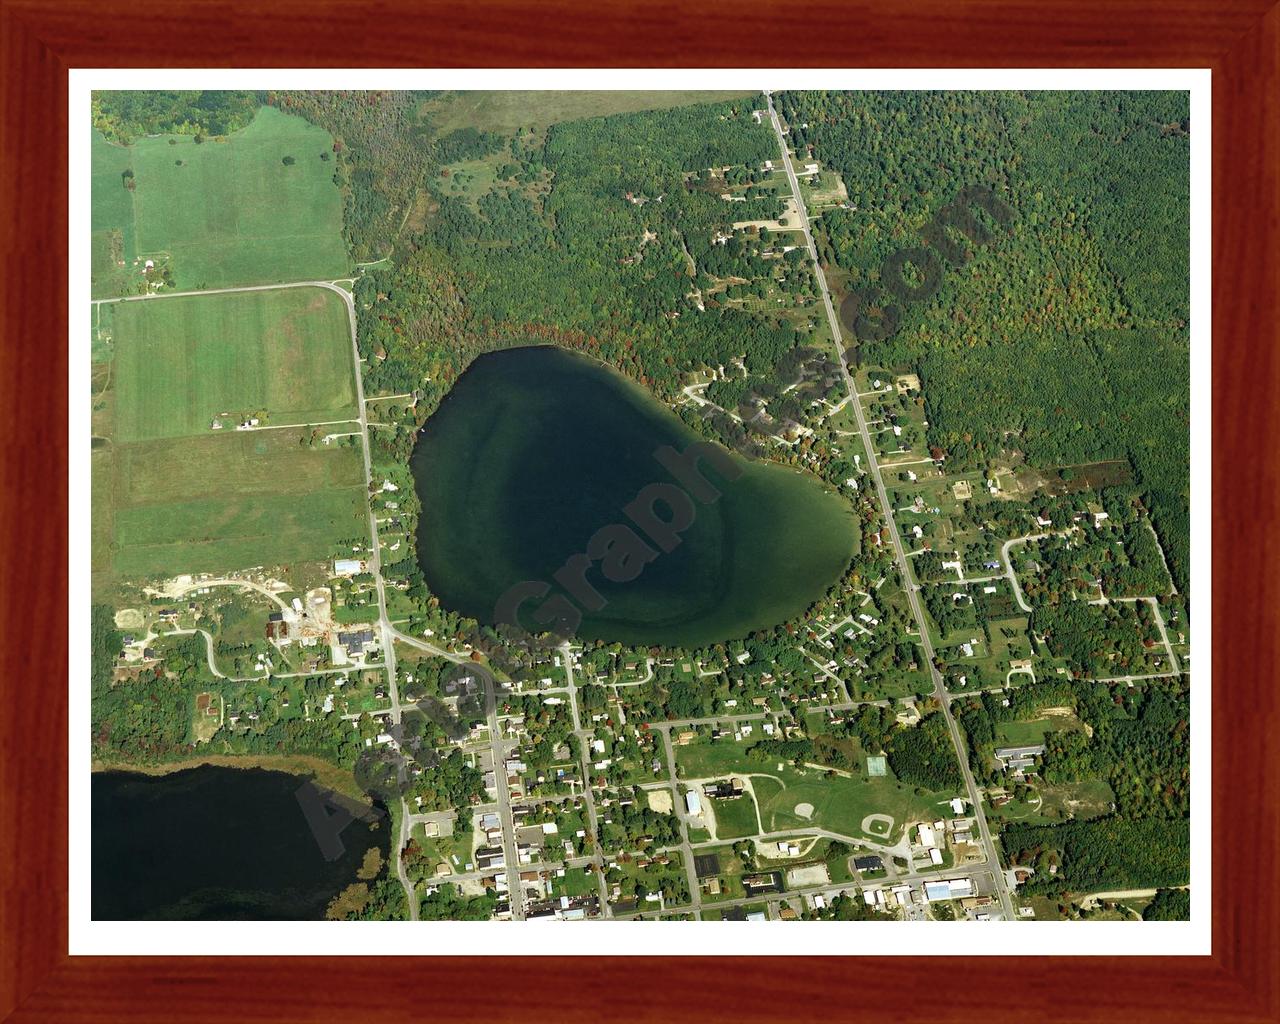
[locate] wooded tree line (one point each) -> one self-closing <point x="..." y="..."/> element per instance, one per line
<point x="125" y="115"/>
<point x="1140" y="742"/>
<point x="384" y="157"/>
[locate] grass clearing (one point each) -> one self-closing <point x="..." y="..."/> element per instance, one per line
<point x="1089" y="798"/>
<point x="229" y="211"/>
<point x="1022" y="734"/>
<point x="735" y="818"/>
<point x="508" y="111"/>
<point x="182" y="362"/>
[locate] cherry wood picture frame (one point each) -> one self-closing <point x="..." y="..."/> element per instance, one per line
<point x="41" y="39"/>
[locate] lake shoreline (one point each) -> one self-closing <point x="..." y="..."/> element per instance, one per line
<point x="325" y="774"/>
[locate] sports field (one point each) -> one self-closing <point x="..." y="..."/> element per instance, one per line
<point x="182" y="362"/>
<point x="789" y="798"/>
<point x="222" y="212"/>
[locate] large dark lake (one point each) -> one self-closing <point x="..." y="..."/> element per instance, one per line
<point x="214" y="844"/>
<point x="535" y="449"/>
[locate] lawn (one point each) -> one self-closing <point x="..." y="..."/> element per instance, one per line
<point x="284" y="356"/>
<point x="1009" y="638"/>
<point x="574" y="882"/>
<point x="229" y="211"/>
<point x="1022" y="734"/>
<point x="735" y="818"/>
<point x="507" y="111"/>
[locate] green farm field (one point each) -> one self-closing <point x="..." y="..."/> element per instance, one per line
<point x="172" y="496"/>
<point x="223" y="212"/>
<point x="239" y="463"/>
<point x="181" y="362"/>
<point x="222" y="503"/>
<point x="214" y="534"/>
<point x="111" y="220"/>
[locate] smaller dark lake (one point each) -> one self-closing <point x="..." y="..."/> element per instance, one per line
<point x="214" y="844"/>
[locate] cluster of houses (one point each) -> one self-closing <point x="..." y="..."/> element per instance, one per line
<point x="933" y="838"/>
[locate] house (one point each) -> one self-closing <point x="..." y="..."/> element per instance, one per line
<point x="726" y="789"/>
<point x="870" y="863"/>
<point x="762" y="882"/>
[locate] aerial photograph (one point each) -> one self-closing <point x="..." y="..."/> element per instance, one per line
<point x="640" y="505"/>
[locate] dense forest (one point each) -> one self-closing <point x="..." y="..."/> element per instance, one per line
<point x="1062" y="334"/>
<point x="1106" y="853"/>
<point x="1138" y="741"/>
<point x="605" y="260"/>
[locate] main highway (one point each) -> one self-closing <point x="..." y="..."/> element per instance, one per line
<point x="886" y="507"/>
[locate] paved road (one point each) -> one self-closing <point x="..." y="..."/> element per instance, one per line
<point x="678" y="807"/>
<point x="226" y="291"/>
<point x="208" y="642"/>
<point x="375" y="567"/>
<point x="584" y="741"/>
<point x="515" y="893"/>
<point x="886" y="506"/>
<point x="1008" y="561"/>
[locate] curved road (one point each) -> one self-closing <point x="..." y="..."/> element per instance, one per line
<point x="375" y="566"/>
